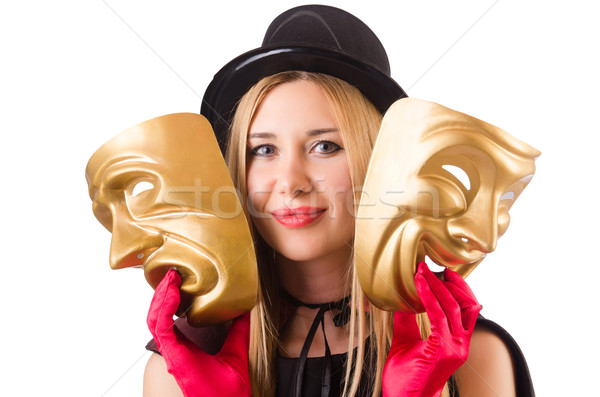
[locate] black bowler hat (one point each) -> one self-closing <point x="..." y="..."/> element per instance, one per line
<point x="311" y="38"/>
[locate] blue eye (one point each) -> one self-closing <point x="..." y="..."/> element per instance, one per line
<point x="263" y="151"/>
<point x="326" y="147"/>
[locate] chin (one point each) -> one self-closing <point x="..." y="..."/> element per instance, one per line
<point x="299" y="249"/>
<point x="304" y="244"/>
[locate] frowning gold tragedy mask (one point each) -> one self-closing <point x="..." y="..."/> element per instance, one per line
<point x="440" y="184"/>
<point x="163" y="190"/>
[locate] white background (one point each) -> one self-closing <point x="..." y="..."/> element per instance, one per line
<point x="75" y="73"/>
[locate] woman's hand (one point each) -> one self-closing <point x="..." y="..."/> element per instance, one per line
<point x="417" y="367"/>
<point x="198" y="373"/>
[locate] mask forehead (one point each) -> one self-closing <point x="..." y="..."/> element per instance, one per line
<point x="176" y="149"/>
<point x="431" y="167"/>
<point x="162" y="188"/>
<point x="473" y="166"/>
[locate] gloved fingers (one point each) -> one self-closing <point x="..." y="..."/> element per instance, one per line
<point x="469" y="309"/>
<point x="442" y="309"/>
<point x="406" y="330"/>
<point x="163" y="306"/>
<point x="456" y="279"/>
<point x="235" y="349"/>
<point x="469" y="306"/>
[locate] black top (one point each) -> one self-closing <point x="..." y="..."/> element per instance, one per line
<point x="286" y="370"/>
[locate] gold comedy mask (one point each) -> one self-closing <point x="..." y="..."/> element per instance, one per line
<point x="163" y="190"/>
<point x="440" y="184"/>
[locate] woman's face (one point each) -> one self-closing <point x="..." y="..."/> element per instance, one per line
<point x="299" y="187"/>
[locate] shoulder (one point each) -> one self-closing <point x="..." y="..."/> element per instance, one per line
<point x="489" y="369"/>
<point x="158" y="382"/>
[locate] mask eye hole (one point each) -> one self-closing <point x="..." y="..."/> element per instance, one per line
<point x="141" y="187"/>
<point x="459" y="174"/>
<point x="508" y="196"/>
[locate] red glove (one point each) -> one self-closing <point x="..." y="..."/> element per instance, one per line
<point x="417" y="367"/>
<point x="198" y="373"/>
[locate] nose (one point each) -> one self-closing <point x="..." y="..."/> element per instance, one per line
<point x="477" y="229"/>
<point x="131" y="245"/>
<point x="294" y="178"/>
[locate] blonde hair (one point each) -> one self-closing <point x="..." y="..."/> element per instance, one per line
<point x="359" y="122"/>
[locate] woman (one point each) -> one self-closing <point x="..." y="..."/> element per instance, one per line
<point x="298" y="150"/>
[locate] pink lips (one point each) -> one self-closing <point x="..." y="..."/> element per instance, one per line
<point x="297" y="217"/>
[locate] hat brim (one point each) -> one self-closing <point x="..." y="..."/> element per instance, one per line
<point x="238" y="76"/>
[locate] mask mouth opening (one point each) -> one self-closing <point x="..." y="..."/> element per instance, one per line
<point x="193" y="282"/>
<point x="437" y="261"/>
<point x="157" y="273"/>
<point x="433" y="260"/>
<point x="435" y="267"/>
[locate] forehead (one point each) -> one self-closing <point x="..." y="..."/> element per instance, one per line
<point x="294" y="107"/>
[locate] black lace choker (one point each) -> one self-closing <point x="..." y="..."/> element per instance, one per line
<point x="341" y="319"/>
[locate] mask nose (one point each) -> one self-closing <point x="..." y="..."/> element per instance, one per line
<point x="131" y="245"/>
<point x="477" y="229"/>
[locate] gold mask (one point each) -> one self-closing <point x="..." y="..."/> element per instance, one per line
<point x="163" y="190"/>
<point x="440" y="184"/>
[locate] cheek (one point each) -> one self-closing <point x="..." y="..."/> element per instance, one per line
<point x="341" y="192"/>
<point x="259" y="182"/>
<point x="259" y="186"/>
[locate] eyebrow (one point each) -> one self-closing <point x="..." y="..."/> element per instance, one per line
<point x="270" y="135"/>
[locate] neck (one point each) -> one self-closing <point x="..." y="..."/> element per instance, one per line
<point x="320" y="280"/>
